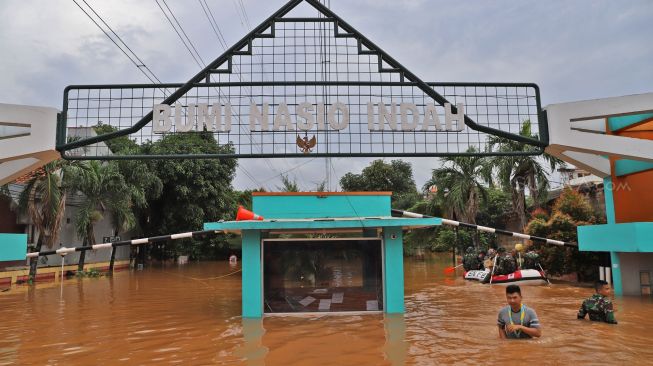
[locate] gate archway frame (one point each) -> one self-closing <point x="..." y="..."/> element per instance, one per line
<point x="399" y="77"/>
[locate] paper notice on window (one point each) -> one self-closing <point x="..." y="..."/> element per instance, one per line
<point x="307" y="301"/>
<point x="337" y="298"/>
<point x="372" y="305"/>
<point x="325" y="304"/>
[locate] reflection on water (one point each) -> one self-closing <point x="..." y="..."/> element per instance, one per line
<point x="190" y="315"/>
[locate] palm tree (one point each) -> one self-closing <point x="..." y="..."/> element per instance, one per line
<point x="43" y="200"/>
<point x="460" y="183"/>
<point x="104" y="190"/>
<point x="516" y="173"/>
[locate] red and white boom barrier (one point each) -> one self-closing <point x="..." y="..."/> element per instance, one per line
<point x="154" y="239"/>
<point x="242" y="214"/>
<point x="489" y="229"/>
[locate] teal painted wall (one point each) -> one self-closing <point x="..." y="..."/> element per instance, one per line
<point x="13" y="247"/>
<point x="624" y="237"/>
<point x="626" y="166"/>
<point x="627" y="237"/>
<point x="393" y="270"/>
<point x="252" y="280"/>
<point x="301" y="207"/>
<point x="619" y="122"/>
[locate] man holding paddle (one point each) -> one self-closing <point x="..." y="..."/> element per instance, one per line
<point x="516" y="320"/>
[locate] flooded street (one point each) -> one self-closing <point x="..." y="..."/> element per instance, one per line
<point x="191" y="315"/>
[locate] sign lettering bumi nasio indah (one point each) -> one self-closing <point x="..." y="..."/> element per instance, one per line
<point x="218" y="117"/>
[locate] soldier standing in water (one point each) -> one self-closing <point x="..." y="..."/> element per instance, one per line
<point x="598" y="306"/>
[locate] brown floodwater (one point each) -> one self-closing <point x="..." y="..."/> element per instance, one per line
<point x="190" y="315"/>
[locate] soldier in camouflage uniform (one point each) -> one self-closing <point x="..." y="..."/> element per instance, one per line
<point x="598" y="306"/>
<point x="531" y="258"/>
<point x="480" y="257"/>
<point x="506" y="263"/>
<point x="470" y="260"/>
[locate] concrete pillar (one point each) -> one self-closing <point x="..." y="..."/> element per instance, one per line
<point x="610" y="218"/>
<point x="252" y="290"/>
<point x="252" y="349"/>
<point x="393" y="253"/>
<point x="395" y="347"/>
<point x="616" y="273"/>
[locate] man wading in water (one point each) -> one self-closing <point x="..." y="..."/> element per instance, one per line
<point x="516" y="320"/>
<point x="599" y="307"/>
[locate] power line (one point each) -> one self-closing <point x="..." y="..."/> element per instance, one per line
<point x="251" y="177"/>
<point x="223" y="42"/>
<point x="220" y="35"/>
<point x="242" y="6"/>
<point x="202" y="64"/>
<point x="239" y="12"/>
<point x="131" y="55"/>
<point x="291" y="169"/>
<point x="216" y="28"/>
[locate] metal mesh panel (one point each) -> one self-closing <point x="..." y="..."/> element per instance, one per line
<point x="298" y="60"/>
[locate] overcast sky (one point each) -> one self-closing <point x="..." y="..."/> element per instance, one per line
<point x="574" y="50"/>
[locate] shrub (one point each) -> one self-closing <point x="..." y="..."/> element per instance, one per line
<point x="570" y="210"/>
<point x="93" y="272"/>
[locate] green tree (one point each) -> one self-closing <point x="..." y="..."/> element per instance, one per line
<point x="138" y="174"/>
<point x="423" y="237"/>
<point x="445" y="239"/>
<point x="244" y="198"/>
<point x="460" y="183"/>
<point x="569" y="211"/>
<point x="121" y="145"/>
<point x="518" y="173"/>
<point x="321" y="187"/>
<point x="103" y="189"/>
<point x="494" y="211"/>
<point x="395" y="177"/>
<point x="288" y="185"/>
<point x="194" y="191"/>
<point x="43" y="200"/>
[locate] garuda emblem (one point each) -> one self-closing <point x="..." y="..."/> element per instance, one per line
<point x="305" y="144"/>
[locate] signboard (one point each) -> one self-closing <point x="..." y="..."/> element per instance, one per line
<point x="218" y="117"/>
<point x="110" y="239"/>
<point x="308" y="85"/>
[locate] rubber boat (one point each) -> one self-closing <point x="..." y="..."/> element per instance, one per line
<point x="531" y="277"/>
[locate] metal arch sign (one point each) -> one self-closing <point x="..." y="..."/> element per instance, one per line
<point x="298" y="85"/>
